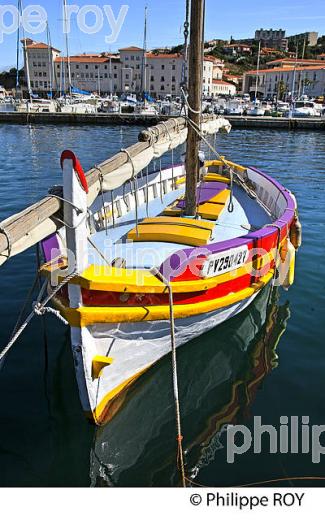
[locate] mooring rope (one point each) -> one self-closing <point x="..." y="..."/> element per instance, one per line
<point x="179" y="438"/>
<point x="39" y="309"/>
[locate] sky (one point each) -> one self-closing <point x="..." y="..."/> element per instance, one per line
<point x="237" y="18"/>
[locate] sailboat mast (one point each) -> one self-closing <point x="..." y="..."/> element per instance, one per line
<point x="144" y="62"/>
<point x="194" y="101"/>
<point x="50" y="56"/>
<point x="67" y="44"/>
<point x="258" y="68"/>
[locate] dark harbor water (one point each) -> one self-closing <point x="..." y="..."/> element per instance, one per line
<point x="267" y="362"/>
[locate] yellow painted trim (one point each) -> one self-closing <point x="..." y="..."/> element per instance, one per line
<point x="86" y="316"/>
<point x="98" y="365"/>
<point x="112" y="279"/>
<point x="100" y="408"/>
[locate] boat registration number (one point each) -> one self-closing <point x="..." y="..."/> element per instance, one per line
<point x="224" y="262"/>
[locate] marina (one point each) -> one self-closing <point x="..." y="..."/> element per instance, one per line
<point x="161" y="217"/>
<point x="57" y="443"/>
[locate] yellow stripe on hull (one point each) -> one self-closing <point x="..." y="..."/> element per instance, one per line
<point x="87" y="316"/>
<point x="112" y="279"/>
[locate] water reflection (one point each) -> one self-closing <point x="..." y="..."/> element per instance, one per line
<point x="219" y="375"/>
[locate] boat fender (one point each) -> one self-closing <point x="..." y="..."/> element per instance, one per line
<point x="286" y="264"/>
<point x="296" y="232"/>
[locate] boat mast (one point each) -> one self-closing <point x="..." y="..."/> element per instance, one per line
<point x="144" y="61"/>
<point x="67" y="44"/>
<point x="50" y="55"/>
<point x="194" y="101"/>
<point x="17" y="51"/>
<point x="258" y="69"/>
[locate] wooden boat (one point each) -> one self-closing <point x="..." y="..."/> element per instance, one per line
<point x="141" y="261"/>
<point x="226" y="373"/>
<point x="118" y="306"/>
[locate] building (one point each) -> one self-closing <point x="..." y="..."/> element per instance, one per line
<point x="321" y="57"/>
<point x="41" y="59"/>
<point x="286" y="81"/>
<point x="238" y="49"/>
<point x="291" y="62"/>
<point x="131" y="70"/>
<point x="309" y="38"/>
<point x="223" y="88"/>
<point x="272" y="38"/>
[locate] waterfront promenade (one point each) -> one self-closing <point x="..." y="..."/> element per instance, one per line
<point x="147" y="120"/>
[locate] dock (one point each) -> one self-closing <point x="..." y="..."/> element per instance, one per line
<point x="245" y="122"/>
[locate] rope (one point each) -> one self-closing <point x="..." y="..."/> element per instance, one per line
<point x="39" y="308"/>
<point x="160" y="182"/>
<point x="172" y="150"/>
<point x="6" y="233"/>
<point x="135" y="184"/>
<point x="147" y="191"/>
<point x="188" y="105"/>
<point x="98" y="251"/>
<point x="179" y="438"/>
<point x="232" y="172"/>
<point x="101" y="179"/>
<point x="78" y="210"/>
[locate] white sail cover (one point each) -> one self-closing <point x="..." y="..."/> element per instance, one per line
<point x="135" y="165"/>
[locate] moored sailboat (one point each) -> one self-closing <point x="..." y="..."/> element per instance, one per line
<point x="139" y="260"/>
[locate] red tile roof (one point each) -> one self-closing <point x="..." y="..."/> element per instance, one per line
<point x="40" y="45"/>
<point x="163" y="56"/>
<point x="287" y="69"/>
<point x="131" y="49"/>
<point x="221" y="82"/>
<point x="83" y="59"/>
<point x="294" y="60"/>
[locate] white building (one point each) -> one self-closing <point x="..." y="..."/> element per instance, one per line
<point x="290" y="80"/>
<point x="131" y="70"/>
<point x="223" y="88"/>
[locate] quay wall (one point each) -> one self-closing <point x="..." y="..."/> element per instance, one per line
<point x="132" y="119"/>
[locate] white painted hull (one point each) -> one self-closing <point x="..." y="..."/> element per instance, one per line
<point x="134" y="347"/>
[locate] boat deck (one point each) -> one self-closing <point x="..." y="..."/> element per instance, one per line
<point x="114" y="244"/>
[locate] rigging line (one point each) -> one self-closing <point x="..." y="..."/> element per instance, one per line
<point x="241" y="182"/>
<point x="101" y="180"/>
<point x="98" y="251"/>
<point x="180" y="451"/>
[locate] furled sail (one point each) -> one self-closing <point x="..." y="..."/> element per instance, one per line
<point x="21" y="231"/>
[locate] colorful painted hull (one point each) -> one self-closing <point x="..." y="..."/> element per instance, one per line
<point x="121" y="325"/>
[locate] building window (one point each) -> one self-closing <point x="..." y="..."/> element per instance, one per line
<point x="162" y="87"/>
<point x="132" y="58"/>
<point x="34" y="64"/>
<point x="126" y="58"/>
<point x="138" y="67"/>
<point x="163" y="67"/>
<point x="127" y="76"/>
<point x="91" y="75"/>
<point x="174" y="67"/>
<point x="44" y="64"/>
<point x="152" y="78"/>
<point x="96" y="67"/>
<point x="138" y="58"/>
<point x="32" y="84"/>
<point x="173" y="79"/>
<point x="45" y="84"/>
<point x="173" y="87"/>
<point x="115" y="76"/>
<point x="86" y="67"/>
<point x="44" y="74"/>
<point x="82" y="75"/>
<point x="162" y="78"/>
<point x="105" y="67"/>
<point x="87" y="75"/>
<point x="41" y="83"/>
<point x="152" y="87"/>
<point x="106" y="76"/>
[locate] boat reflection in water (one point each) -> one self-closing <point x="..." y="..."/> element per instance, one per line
<point x="219" y="375"/>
